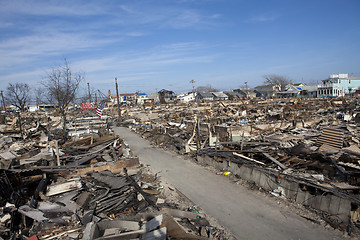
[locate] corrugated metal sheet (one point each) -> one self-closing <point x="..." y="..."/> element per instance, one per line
<point x="331" y="137"/>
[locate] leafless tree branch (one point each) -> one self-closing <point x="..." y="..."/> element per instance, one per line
<point x="61" y="86"/>
<point x="18" y="94"/>
<point x="275" y="79"/>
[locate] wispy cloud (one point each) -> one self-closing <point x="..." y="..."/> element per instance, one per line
<point x="155" y="58"/>
<point x="34" y="47"/>
<point x="52" y="8"/>
<point x="33" y="78"/>
<point x="135" y="34"/>
<point x="261" y="18"/>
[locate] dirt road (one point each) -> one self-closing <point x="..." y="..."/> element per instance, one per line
<point x="245" y="213"/>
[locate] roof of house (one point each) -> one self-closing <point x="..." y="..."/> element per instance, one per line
<point x="310" y="88"/>
<point x="166" y="91"/>
<point x="205" y="94"/>
<point x="219" y="94"/>
<point x="240" y="94"/>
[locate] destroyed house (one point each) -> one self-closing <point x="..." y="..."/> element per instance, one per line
<point x="246" y="93"/>
<point x="267" y="90"/>
<point x="166" y="96"/>
<point x="298" y="91"/>
<point x="290" y="92"/>
<point x="129" y="97"/>
<point x="220" y="96"/>
<point x="207" y="96"/>
<point x="186" y="97"/>
<point x="338" y="85"/>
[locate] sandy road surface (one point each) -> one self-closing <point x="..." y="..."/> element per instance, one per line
<point x="246" y="214"/>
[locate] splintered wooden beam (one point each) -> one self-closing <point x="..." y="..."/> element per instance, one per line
<point x="247" y="158"/>
<point x="274" y="160"/>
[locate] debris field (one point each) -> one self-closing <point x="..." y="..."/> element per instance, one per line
<point x="86" y="183"/>
<point x="303" y="150"/>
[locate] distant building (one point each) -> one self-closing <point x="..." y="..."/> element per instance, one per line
<point x="234" y="95"/>
<point x="154" y="97"/>
<point x="166" y="96"/>
<point x="207" y="96"/>
<point x="299" y="90"/>
<point x="187" y="97"/>
<point x="267" y="90"/>
<point x="290" y="92"/>
<point x="211" y="96"/>
<point x="135" y="98"/>
<point x="338" y="85"/>
<point x="309" y="91"/>
<point x="220" y="96"/>
<point x="245" y="93"/>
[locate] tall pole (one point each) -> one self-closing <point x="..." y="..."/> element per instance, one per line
<point x="246" y="91"/>
<point x="89" y="91"/>
<point x="3" y="101"/>
<point x="193" y="87"/>
<point x="118" y="101"/>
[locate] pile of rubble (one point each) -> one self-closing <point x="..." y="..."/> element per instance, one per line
<point x="306" y="151"/>
<point x="85" y="184"/>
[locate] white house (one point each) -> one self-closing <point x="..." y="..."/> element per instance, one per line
<point x="186" y="97"/>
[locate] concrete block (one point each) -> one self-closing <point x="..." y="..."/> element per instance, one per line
<point x="325" y="202"/>
<point x="286" y="186"/>
<point x="290" y="188"/>
<point x="300" y="196"/>
<point x="247" y="173"/>
<point x="272" y="181"/>
<point x="345" y="206"/>
<point x="234" y="168"/>
<point x="264" y="182"/>
<point x="242" y="171"/>
<point x="256" y="176"/>
<point x="308" y="199"/>
<point x="334" y="204"/>
<point x="316" y="202"/>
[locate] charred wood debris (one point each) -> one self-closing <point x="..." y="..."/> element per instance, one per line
<point x="86" y="184"/>
<point x="303" y="150"/>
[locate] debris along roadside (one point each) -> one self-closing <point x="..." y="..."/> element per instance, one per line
<point x="306" y="151"/>
<point x="88" y="186"/>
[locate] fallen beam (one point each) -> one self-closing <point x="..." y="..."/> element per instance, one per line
<point x="274" y="160"/>
<point x="247" y="158"/>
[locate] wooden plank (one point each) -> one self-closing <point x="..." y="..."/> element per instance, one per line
<point x="59" y="188"/>
<point x="274" y="160"/>
<point x="247" y="158"/>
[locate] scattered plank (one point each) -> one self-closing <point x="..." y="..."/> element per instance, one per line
<point x="247" y="158"/>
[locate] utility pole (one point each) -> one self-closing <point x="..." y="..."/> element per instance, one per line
<point x="193" y="87"/>
<point x="193" y="82"/>
<point x="246" y="87"/>
<point x="118" y="101"/>
<point x="3" y="101"/>
<point x="89" y="91"/>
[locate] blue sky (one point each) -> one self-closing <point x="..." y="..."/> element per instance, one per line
<point x="155" y="44"/>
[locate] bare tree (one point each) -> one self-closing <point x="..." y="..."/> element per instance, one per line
<point x="275" y="79"/>
<point x="39" y="96"/>
<point x="61" y="86"/>
<point x="18" y="94"/>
